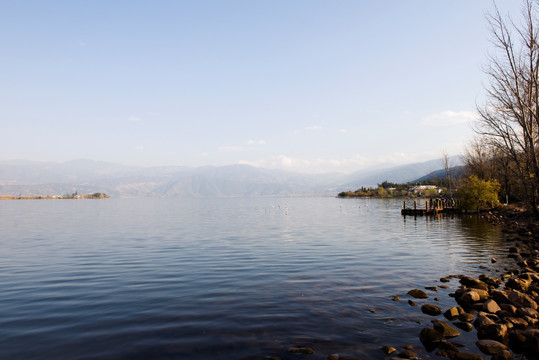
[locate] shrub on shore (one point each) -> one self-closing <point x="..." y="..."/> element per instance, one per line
<point x="477" y="194"/>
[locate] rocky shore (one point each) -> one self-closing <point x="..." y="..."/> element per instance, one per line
<point x="503" y="309"/>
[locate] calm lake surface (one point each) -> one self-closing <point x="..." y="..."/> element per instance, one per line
<point x="233" y="278"/>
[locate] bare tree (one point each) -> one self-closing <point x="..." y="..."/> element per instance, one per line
<point x="488" y="163"/>
<point x="478" y="159"/>
<point x="447" y="167"/>
<point x="509" y="120"/>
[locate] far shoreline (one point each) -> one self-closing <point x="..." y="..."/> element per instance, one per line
<point x="55" y="197"/>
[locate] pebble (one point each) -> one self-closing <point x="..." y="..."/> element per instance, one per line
<point x="388" y="349"/>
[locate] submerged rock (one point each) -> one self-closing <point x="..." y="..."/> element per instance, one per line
<point x="467" y="356"/>
<point x="427" y="336"/>
<point x="408" y="354"/>
<point x="445" y="329"/>
<point x="301" y="350"/>
<point x="418" y="294"/>
<point x="430" y="309"/>
<point x="466" y="326"/>
<point x="466" y="317"/>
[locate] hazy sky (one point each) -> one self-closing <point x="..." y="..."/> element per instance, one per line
<point x="302" y="85"/>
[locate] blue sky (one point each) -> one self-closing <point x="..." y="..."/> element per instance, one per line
<point x="307" y="85"/>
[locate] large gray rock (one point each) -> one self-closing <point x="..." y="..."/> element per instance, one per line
<point x="526" y="311"/>
<point x="521" y="300"/>
<point x="490" y="347"/>
<point x="518" y="284"/>
<point x="429" y="336"/>
<point x="509" y="308"/>
<point x="467" y="317"/>
<point x="466" y="326"/>
<point x="518" y="323"/>
<point x="452" y="313"/>
<point x="482" y="321"/>
<point x="491" y="306"/>
<point x="503" y="355"/>
<point x="493" y="332"/>
<point x="499" y="296"/>
<point x="473" y="283"/>
<point x="531" y="345"/>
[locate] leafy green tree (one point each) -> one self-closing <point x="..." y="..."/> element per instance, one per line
<point x="477" y="194"/>
<point x="381" y="191"/>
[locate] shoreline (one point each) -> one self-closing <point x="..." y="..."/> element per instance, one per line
<point x="503" y="309"/>
<point x="55" y="197"/>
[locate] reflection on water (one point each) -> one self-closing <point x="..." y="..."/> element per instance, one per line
<point x="223" y="278"/>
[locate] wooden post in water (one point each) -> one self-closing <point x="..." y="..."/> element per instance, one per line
<point x="404" y="204"/>
<point x="415" y="205"/>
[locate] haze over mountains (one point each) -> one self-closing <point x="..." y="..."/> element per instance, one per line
<point x="19" y="177"/>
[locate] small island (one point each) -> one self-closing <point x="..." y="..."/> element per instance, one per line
<point x="97" y="195"/>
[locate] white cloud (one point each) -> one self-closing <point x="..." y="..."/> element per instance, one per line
<point x="318" y="165"/>
<point x="313" y="128"/>
<point x="448" y="118"/>
<point x="139" y="148"/>
<point x="231" y="149"/>
<point x="397" y="158"/>
<point x="134" y="119"/>
<point x="343" y="130"/>
<point x="256" y="142"/>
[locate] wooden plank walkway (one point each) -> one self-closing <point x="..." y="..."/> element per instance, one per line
<point x="432" y="207"/>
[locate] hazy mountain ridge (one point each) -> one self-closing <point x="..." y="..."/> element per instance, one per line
<point x="87" y="176"/>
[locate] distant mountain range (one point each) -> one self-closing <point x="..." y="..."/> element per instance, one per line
<point x="87" y="176"/>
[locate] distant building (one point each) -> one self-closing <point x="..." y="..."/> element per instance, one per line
<point x="418" y="190"/>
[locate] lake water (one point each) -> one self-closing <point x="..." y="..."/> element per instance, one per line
<point x="232" y="278"/>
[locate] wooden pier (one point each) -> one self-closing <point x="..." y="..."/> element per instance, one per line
<point x="432" y="207"/>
